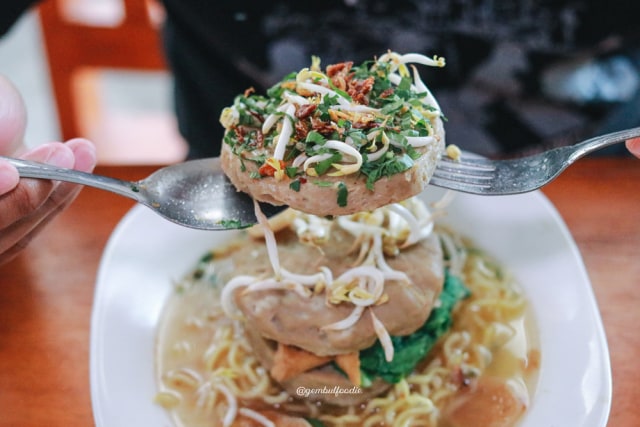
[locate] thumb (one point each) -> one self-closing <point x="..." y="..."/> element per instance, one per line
<point x="13" y="117"/>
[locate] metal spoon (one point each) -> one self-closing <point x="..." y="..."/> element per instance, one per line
<point x="195" y="193"/>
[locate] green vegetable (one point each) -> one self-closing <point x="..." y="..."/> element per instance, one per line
<point x="386" y="166"/>
<point x="411" y="349"/>
<point x="203" y="262"/>
<point x="323" y="166"/>
<point x="295" y="185"/>
<point x="342" y="194"/>
<point x="315" y="137"/>
<point x="276" y="90"/>
<point x="395" y="109"/>
<point x="314" y="422"/>
<point x="323" y="108"/>
<point x="233" y="224"/>
<point x="291" y="171"/>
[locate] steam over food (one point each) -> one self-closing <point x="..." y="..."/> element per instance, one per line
<point x="337" y="141"/>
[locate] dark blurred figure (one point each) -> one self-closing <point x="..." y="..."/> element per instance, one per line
<point x="521" y="76"/>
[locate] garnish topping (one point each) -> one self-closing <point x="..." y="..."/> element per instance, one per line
<point x="347" y="119"/>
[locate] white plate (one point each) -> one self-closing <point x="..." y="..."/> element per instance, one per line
<point x="526" y="234"/>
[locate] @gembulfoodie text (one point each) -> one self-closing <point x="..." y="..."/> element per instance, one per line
<point x="335" y="390"/>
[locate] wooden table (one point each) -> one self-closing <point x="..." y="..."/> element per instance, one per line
<point x="47" y="292"/>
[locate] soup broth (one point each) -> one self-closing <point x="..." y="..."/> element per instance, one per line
<point x="482" y="372"/>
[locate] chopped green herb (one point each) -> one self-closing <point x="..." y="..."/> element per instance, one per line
<point x="393" y="107"/>
<point x="315" y="137"/>
<point x="323" y="166"/>
<point x="291" y="171"/>
<point x="233" y="224"/>
<point x="343" y="192"/>
<point x="201" y="267"/>
<point x="207" y="257"/>
<point x="295" y="185"/>
<point x="373" y="102"/>
<point x="386" y="166"/>
<point x="328" y="102"/>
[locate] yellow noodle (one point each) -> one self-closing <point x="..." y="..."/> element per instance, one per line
<point x="481" y="323"/>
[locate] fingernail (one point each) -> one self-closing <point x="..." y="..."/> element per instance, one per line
<point x="85" y="154"/>
<point x="61" y="156"/>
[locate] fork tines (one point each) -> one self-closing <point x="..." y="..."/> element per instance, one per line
<point x="468" y="171"/>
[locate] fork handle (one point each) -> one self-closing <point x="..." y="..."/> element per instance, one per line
<point x="599" y="142"/>
<point x="30" y="169"/>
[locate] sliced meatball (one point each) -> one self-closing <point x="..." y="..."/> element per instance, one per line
<point x="321" y="196"/>
<point x="287" y="317"/>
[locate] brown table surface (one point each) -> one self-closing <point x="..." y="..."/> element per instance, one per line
<point x="47" y="292"/>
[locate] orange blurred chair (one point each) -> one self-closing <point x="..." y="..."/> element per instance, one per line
<point x="85" y="42"/>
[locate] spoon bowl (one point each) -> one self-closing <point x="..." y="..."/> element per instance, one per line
<point x="195" y="194"/>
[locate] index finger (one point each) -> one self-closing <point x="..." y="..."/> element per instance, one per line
<point x="633" y="145"/>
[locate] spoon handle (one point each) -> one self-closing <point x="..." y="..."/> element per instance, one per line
<point x="29" y="169"/>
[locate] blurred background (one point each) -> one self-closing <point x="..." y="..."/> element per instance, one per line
<point x="22" y="61"/>
<point x="521" y="76"/>
<point x="126" y="110"/>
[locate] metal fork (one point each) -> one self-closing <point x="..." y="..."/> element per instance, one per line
<point x="477" y="175"/>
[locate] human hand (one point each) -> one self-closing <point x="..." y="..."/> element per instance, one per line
<point x="28" y="205"/>
<point x="633" y="145"/>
